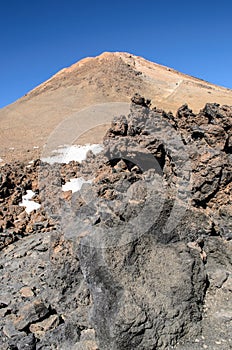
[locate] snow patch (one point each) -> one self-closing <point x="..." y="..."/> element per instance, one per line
<point x="66" y="154"/>
<point x="75" y="185"/>
<point x="28" y="203"/>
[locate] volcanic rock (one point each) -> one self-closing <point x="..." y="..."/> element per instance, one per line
<point x="141" y="258"/>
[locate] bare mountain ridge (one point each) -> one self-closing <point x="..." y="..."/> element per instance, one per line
<point x="110" y="77"/>
<point x="109" y="70"/>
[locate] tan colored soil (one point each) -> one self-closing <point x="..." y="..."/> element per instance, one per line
<point x="28" y="124"/>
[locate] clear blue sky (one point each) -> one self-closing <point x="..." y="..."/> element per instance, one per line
<point x="38" y="38"/>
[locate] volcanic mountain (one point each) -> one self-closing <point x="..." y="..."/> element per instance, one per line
<point x="129" y="247"/>
<point x="111" y="77"/>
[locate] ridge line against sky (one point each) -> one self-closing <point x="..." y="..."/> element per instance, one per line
<point x="40" y="38"/>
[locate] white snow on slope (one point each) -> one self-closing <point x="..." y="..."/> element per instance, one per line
<point x="75" y="184"/>
<point x="66" y="154"/>
<point x="28" y="203"/>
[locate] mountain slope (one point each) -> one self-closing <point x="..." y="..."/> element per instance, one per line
<point x="110" y="77"/>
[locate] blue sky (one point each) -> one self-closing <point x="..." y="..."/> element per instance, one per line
<point x="38" y="38"/>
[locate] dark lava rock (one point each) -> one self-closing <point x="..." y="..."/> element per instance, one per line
<point x="138" y="259"/>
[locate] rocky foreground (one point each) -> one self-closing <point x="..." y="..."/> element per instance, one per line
<point x="141" y="257"/>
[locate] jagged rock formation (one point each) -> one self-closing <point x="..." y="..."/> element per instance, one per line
<point x="138" y="259"/>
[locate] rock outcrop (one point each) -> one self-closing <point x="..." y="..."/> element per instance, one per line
<point x="141" y="258"/>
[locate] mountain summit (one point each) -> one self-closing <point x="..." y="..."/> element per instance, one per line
<point x="110" y="77"/>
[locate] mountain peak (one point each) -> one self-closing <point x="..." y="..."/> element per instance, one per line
<point x="109" y="77"/>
